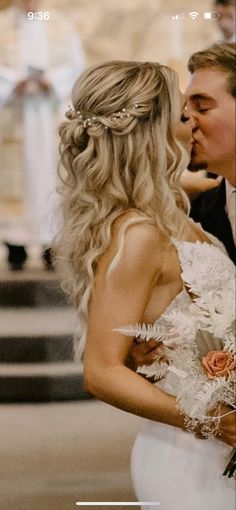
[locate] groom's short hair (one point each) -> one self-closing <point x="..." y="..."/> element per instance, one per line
<point x="218" y="57"/>
<point x="225" y="3"/>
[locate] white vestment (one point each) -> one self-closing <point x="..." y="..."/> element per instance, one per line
<point x="51" y="47"/>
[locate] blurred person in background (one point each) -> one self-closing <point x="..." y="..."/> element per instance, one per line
<point x="127" y="246"/>
<point x="226" y="21"/>
<point x="40" y="56"/>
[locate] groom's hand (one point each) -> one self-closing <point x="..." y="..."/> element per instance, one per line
<point x="195" y="183"/>
<point x="143" y="353"/>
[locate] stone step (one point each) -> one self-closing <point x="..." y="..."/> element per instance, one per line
<point x="37" y="322"/>
<point x="41" y="382"/>
<point x="36" y="349"/>
<point x="36" y="340"/>
<point x="31" y="289"/>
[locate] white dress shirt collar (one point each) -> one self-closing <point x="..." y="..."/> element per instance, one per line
<point x="230" y="206"/>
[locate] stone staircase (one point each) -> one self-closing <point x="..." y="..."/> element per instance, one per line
<point x="36" y="340"/>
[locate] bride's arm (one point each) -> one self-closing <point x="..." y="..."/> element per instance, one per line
<point x="118" y="300"/>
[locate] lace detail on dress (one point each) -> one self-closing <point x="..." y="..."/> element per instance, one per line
<point x="204" y="266"/>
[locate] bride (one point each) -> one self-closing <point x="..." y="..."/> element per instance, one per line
<point x="125" y="244"/>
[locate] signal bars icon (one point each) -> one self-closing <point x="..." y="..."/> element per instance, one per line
<point x="178" y="17"/>
<point x="193" y="14"/>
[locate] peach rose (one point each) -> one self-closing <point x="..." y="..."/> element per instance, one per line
<point x="218" y="364"/>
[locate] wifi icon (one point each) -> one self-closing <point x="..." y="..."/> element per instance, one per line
<point x="193" y="14"/>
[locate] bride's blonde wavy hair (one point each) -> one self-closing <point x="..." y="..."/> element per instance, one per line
<point x="118" y="153"/>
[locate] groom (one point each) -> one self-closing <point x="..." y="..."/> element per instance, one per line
<point x="211" y="97"/>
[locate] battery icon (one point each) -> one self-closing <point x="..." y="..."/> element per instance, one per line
<point x="210" y="15"/>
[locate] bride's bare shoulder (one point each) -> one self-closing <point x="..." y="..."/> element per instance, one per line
<point x="138" y="229"/>
<point x="140" y="244"/>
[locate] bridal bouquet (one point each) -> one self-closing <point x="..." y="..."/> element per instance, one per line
<point x="197" y="356"/>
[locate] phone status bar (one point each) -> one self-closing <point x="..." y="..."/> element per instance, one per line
<point x="194" y="15"/>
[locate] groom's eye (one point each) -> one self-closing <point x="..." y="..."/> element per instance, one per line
<point x="203" y="106"/>
<point x="202" y="110"/>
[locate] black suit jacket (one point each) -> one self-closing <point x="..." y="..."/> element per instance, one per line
<point x="209" y="210"/>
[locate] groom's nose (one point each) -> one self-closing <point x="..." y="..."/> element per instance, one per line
<point x="193" y="115"/>
<point x="193" y="121"/>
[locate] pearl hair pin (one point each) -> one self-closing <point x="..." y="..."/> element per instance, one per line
<point x="73" y="114"/>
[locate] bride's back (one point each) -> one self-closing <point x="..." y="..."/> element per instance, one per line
<point x="119" y="152"/>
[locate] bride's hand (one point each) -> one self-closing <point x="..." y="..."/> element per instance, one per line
<point x="143" y="353"/>
<point x="227" y="429"/>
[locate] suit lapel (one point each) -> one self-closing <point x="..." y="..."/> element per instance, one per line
<point x="209" y="209"/>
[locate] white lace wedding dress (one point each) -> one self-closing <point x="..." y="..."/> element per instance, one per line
<point x="169" y="465"/>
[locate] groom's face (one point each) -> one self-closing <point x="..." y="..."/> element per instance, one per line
<point x="213" y="109"/>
